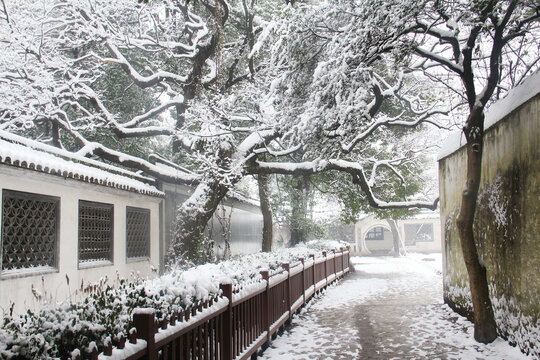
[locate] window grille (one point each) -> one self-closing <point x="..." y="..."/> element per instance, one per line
<point x="95" y="231"/>
<point x="377" y="233"/>
<point x="29" y="230"/>
<point x="418" y="233"/>
<point x="137" y="232"/>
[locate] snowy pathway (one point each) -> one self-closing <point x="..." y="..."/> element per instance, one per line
<point x="388" y="309"/>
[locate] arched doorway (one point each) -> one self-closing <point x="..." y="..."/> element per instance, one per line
<point x="377" y="240"/>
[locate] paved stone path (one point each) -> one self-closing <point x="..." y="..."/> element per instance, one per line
<point x="387" y="309"/>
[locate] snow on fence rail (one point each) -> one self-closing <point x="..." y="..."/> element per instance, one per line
<point x="231" y="326"/>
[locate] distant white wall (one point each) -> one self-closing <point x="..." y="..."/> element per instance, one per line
<point x="53" y="284"/>
<point x="385" y="246"/>
<point x="423" y="246"/>
<point x="246" y="222"/>
<point x="245" y="229"/>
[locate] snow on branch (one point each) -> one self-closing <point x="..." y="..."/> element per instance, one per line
<point x="445" y="36"/>
<point x="439" y="59"/>
<point x="254" y="140"/>
<point x="92" y="148"/>
<point x="139" y="79"/>
<point x="390" y="164"/>
<point x="32" y="144"/>
<point x="354" y="169"/>
<point x="149" y="115"/>
<point x="395" y="121"/>
<point x="147" y="167"/>
<point x="283" y="152"/>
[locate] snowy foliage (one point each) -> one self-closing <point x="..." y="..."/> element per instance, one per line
<point x="328" y="86"/>
<point x="215" y="86"/>
<point x="54" y="332"/>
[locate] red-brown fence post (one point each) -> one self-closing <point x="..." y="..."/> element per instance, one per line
<point x="303" y="281"/>
<point x="334" y="270"/>
<point x="266" y="304"/>
<point x="325" y="268"/>
<point x="227" y="323"/>
<point x="342" y="261"/>
<point x="287" y="268"/>
<point x="348" y="257"/>
<point x="312" y="256"/>
<point x="92" y="353"/>
<point x="144" y="321"/>
<point x="107" y="347"/>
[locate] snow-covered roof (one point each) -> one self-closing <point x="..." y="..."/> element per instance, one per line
<point x="426" y="214"/>
<point x="516" y="97"/>
<point x="23" y="156"/>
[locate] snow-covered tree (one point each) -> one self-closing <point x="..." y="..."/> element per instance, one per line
<point x="223" y="84"/>
<point x="90" y="77"/>
<point x="477" y="50"/>
<point x="489" y="47"/>
<point x="349" y="60"/>
<point x="336" y="105"/>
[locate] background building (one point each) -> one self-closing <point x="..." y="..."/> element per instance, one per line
<point x="420" y="233"/>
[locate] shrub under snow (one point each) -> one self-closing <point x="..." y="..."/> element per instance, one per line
<point x="56" y="332"/>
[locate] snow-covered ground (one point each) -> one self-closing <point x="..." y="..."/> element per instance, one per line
<point x="388" y="309"/>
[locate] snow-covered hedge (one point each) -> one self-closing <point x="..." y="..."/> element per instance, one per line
<point x="54" y="332"/>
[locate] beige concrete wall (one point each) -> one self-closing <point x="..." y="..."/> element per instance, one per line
<point x="53" y="284"/>
<point x="507" y="225"/>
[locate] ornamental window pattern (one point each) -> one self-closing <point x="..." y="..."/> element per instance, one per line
<point x="137" y="232"/>
<point x="418" y="233"/>
<point x="95" y="231"/>
<point x="29" y="230"/>
<point x="377" y="233"/>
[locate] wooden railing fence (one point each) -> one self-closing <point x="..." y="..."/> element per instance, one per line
<point x="232" y="326"/>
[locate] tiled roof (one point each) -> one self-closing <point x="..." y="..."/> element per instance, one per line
<point x="22" y="156"/>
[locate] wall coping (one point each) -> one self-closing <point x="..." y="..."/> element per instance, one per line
<point x="497" y="111"/>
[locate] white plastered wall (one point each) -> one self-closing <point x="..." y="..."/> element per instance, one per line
<point x="366" y="224"/>
<point x="17" y="288"/>
<point x="424" y="246"/>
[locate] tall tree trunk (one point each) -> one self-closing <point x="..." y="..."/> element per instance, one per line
<point x="485" y="328"/>
<point x="225" y="224"/>
<point x="55" y="133"/>
<point x="395" y="236"/>
<point x="299" y="209"/>
<point x="191" y="219"/>
<point x="264" y="192"/>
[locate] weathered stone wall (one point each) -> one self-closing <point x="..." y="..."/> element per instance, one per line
<point x="507" y="225"/>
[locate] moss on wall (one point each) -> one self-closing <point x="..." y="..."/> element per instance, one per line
<point x="507" y="227"/>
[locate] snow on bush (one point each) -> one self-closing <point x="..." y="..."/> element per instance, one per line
<point x="55" y="332"/>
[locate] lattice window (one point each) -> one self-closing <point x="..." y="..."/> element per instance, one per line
<point x="95" y="231"/>
<point x="29" y="230"/>
<point x="418" y="233"/>
<point x="377" y="233"/>
<point x="137" y="232"/>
